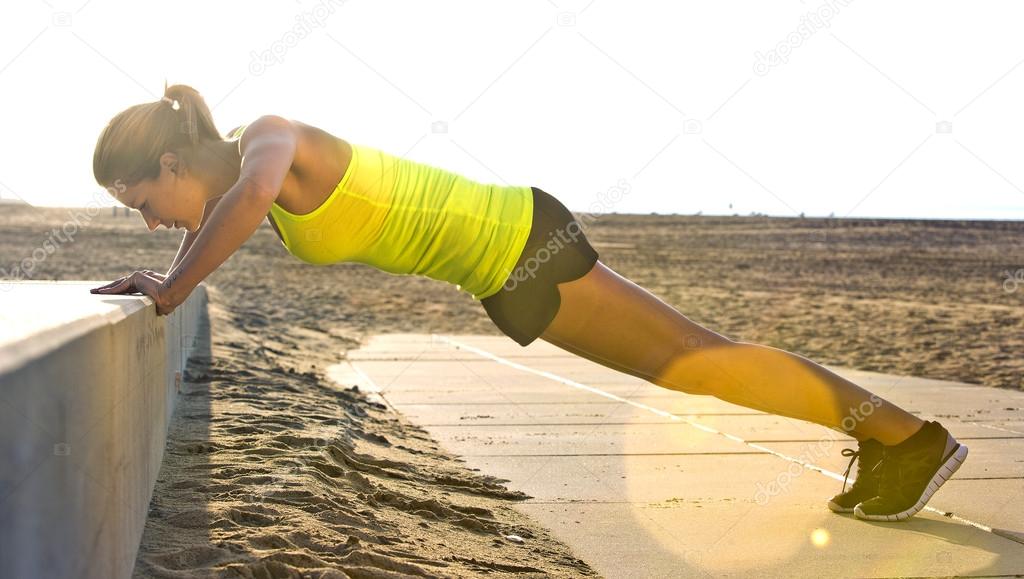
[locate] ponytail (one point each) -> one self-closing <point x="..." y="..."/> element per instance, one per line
<point x="130" y="145"/>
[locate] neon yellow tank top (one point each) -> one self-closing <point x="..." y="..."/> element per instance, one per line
<point x="409" y="218"/>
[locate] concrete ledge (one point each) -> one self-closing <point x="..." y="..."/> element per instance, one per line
<point x="87" y="389"/>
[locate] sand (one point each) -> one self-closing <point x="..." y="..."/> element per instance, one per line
<point x="273" y="470"/>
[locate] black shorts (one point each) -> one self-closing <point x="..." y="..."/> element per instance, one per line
<point x="556" y="251"/>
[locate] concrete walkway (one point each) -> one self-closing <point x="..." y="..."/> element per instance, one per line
<point x="642" y="481"/>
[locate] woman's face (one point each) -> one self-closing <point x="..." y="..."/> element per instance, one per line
<point x="173" y="199"/>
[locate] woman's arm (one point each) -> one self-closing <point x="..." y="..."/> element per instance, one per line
<point x="268" y="149"/>
<point x="190" y="236"/>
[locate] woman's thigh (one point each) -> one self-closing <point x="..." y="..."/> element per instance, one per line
<point x="609" y="319"/>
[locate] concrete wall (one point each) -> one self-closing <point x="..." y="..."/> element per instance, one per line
<point x="87" y="389"/>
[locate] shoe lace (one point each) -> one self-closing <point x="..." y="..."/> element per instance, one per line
<point x="853" y="454"/>
<point x="864" y="474"/>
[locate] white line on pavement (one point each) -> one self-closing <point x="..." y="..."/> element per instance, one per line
<point x="689" y="421"/>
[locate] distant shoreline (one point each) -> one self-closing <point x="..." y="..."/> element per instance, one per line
<point x="698" y="216"/>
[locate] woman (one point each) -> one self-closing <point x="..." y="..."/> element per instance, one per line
<point x="517" y="250"/>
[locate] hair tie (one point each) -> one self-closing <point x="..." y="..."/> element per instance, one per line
<point x="174" y="102"/>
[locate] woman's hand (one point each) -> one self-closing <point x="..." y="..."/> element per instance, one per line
<point x="146" y="282"/>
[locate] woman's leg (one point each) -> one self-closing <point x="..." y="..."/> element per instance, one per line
<point x="606" y="318"/>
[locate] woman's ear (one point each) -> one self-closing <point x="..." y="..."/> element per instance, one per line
<point x="171" y="162"/>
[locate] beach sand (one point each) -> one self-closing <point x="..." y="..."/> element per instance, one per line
<point x="273" y="470"/>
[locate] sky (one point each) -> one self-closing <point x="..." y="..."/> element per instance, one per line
<point x="850" y="108"/>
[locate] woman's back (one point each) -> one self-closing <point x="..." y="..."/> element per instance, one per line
<point x="410" y="218"/>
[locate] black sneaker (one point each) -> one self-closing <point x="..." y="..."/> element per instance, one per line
<point x="865" y="486"/>
<point x="911" y="473"/>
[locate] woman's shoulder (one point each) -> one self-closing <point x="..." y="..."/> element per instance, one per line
<point x="262" y="123"/>
<point x="237" y="131"/>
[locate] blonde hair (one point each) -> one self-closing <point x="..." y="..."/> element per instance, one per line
<point x="130" y="145"/>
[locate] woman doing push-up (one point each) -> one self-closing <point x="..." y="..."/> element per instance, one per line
<point x="516" y="249"/>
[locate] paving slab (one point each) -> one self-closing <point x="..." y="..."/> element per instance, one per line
<point x="642" y="481"/>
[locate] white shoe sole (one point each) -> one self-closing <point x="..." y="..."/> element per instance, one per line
<point x="950" y="466"/>
<point x="838" y="509"/>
